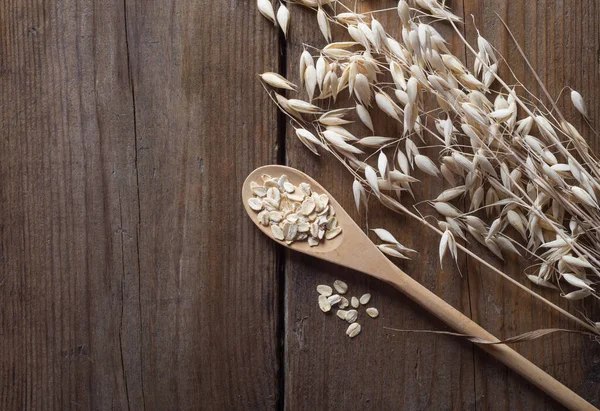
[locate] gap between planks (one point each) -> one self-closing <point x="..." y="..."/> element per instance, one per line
<point x="281" y="252"/>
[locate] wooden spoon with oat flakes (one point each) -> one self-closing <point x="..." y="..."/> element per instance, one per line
<point x="353" y="249"/>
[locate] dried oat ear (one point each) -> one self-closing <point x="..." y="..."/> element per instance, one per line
<point x="520" y="175"/>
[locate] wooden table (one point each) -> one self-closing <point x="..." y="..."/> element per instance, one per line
<point x="131" y="277"/>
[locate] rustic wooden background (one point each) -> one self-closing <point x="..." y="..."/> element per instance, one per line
<point x="131" y="277"/>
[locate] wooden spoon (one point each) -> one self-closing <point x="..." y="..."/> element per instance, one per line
<point x="353" y="249"/>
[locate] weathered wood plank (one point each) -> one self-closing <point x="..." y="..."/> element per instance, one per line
<point x="324" y="369"/>
<point x="562" y="44"/>
<point x="130" y="276"/>
<point x="208" y="278"/>
<point x="379" y="369"/>
<point x="69" y="211"/>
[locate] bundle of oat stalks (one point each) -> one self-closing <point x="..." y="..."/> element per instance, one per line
<point x="507" y="158"/>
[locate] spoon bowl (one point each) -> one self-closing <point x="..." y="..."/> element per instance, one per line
<point x="296" y="177"/>
<point x="353" y="249"/>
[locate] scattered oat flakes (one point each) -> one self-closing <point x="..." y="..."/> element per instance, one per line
<point x="340" y="286"/>
<point x="327" y="300"/>
<point x="353" y="330"/>
<point x="334" y="299"/>
<point x="351" y="316"/>
<point x="373" y="312"/>
<point x="324" y="304"/>
<point x="324" y="290"/>
<point x="341" y="314"/>
<point x="364" y="300"/>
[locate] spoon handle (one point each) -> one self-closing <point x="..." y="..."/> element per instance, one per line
<point x="464" y="325"/>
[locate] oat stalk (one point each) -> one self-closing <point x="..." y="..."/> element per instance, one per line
<point x="527" y="177"/>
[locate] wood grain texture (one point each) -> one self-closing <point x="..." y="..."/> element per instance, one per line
<point x="69" y="211"/>
<point x="127" y="281"/>
<point x="209" y="280"/>
<point x="421" y="371"/>
<point x="379" y="369"/>
<point x="562" y="43"/>
<point x="130" y="277"/>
